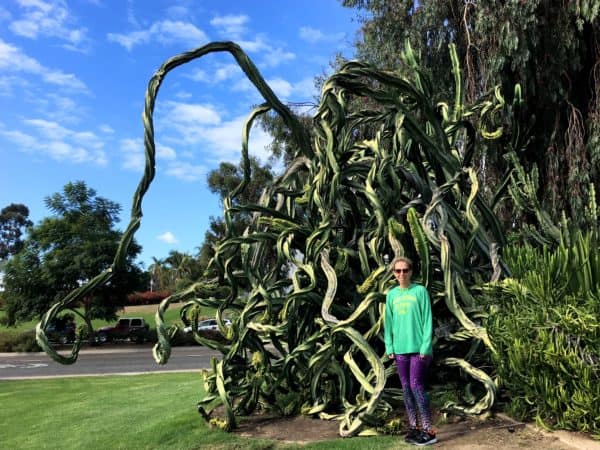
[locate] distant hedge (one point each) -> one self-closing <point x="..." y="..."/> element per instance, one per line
<point x="147" y="297"/>
<point x="18" y="341"/>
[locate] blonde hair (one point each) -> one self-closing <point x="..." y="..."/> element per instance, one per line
<point x="401" y="259"/>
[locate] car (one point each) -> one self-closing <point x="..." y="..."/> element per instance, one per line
<point x="61" y="332"/>
<point x="133" y="329"/>
<point x="208" y="325"/>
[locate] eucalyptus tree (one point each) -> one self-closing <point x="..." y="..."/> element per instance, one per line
<point x="550" y="48"/>
<point x="222" y="181"/>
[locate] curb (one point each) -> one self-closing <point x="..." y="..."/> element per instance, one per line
<point x="81" y="352"/>
<point x="88" y="349"/>
<point x="571" y="438"/>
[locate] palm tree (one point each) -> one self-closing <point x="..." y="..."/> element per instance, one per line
<point x="158" y="275"/>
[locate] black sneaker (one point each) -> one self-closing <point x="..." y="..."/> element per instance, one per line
<point x="412" y="435"/>
<point x="425" y="438"/>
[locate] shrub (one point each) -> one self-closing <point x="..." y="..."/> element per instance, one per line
<point x="146" y="298"/>
<point x="544" y="325"/>
<point x="14" y="341"/>
<point x="182" y="338"/>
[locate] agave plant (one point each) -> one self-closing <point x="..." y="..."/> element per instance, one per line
<point x="307" y="278"/>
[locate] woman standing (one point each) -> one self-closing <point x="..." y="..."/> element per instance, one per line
<point x="408" y="331"/>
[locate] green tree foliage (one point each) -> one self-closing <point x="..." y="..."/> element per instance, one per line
<point x="66" y="250"/>
<point x="223" y="181"/>
<point x="13" y="219"/>
<point x="550" y="48"/>
<point x="177" y="271"/>
<point x="157" y="275"/>
<point x="283" y="147"/>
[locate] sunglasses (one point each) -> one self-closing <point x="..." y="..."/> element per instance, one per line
<point x="402" y="270"/>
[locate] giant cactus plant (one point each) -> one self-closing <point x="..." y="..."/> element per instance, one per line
<point x="307" y="278"/>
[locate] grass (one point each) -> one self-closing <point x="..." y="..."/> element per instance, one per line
<point x="136" y="412"/>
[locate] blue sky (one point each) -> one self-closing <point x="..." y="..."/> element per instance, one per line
<point x="73" y="75"/>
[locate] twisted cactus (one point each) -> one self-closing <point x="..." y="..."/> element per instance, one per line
<point x="307" y="278"/>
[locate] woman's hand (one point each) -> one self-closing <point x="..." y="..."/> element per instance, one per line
<point x="391" y="356"/>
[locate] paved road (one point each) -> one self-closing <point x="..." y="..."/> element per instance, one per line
<point x="124" y="360"/>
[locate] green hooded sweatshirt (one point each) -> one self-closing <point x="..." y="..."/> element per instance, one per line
<point x="408" y="323"/>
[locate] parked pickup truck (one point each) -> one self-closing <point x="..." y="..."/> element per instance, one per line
<point x="134" y="329"/>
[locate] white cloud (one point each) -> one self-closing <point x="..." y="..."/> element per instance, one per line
<point x="187" y="154"/>
<point x="301" y="91"/>
<point x="178" y="12"/>
<point x="201" y="137"/>
<point x="49" y="19"/>
<point x="165" y="32"/>
<point x="19" y="138"/>
<point x="130" y="40"/>
<point x="61" y="150"/>
<point x="62" y="79"/>
<point x="56" y="106"/>
<point x="88" y="139"/>
<point x="133" y="154"/>
<point x="134" y="157"/>
<point x="306" y="89"/>
<point x="131" y="19"/>
<point x="169" y="31"/>
<point x="11" y="59"/>
<point x="60" y="108"/>
<point x="186" y="171"/>
<point x="188" y="120"/>
<point x="106" y="129"/>
<point x="9" y="85"/>
<point x="60" y="143"/>
<point x="230" y="26"/>
<point x="313" y="36"/>
<point x="277" y="56"/>
<point x="164" y="152"/>
<point x="226" y="72"/>
<point x="198" y="75"/>
<point x="195" y="126"/>
<point x="225" y="141"/>
<point x="221" y="72"/>
<point x="191" y="113"/>
<point x="257" y="45"/>
<point x="48" y="129"/>
<point x="281" y="87"/>
<point x="4" y="14"/>
<point x="183" y="95"/>
<point x="243" y="85"/>
<point x="167" y="237"/>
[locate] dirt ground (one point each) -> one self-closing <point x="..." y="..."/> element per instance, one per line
<point x="498" y="433"/>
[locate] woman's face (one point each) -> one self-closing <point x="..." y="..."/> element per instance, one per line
<point x="402" y="272"/>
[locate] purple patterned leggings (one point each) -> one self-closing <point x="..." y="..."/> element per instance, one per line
<point x="412" y="370"/>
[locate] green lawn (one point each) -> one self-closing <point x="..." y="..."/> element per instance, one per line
<point x="136" y="412"/>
